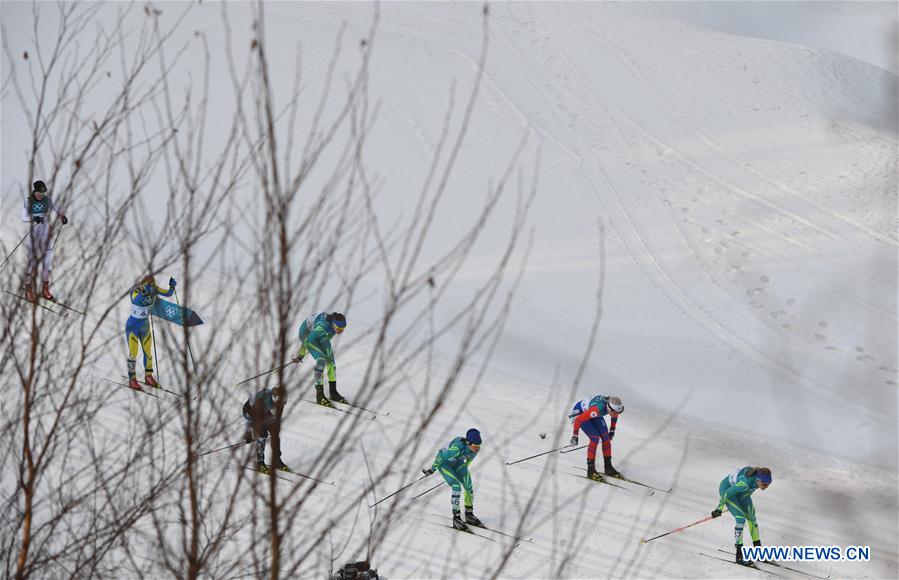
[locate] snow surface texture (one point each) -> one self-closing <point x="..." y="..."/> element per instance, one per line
<point x="742" y="163"/>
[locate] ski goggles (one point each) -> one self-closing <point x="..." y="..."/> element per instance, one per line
<point x="615" y="405"/>
<point x="338" y="327"/>
<point x="764" y="478"/>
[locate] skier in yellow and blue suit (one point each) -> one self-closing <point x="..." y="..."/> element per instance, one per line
<point x="315" y="335"/>
<point x="138" y="331"/>
<point x="452" y="462"/>
<point x="736" y="494"/>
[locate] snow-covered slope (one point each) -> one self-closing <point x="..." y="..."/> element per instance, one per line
<point x="741" y="177"/>
<point x="747" y="193"/>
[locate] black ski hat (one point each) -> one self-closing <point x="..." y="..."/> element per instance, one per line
<point x="40" y="186"/>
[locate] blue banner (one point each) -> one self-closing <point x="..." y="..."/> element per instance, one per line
<point x="177" y="314"/>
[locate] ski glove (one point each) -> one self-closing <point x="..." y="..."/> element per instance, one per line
<point x="716" y="512"/>
<point x="611" y="434"/>
<point x="297" y="359"/>
<point x="37" y="219"/>
<point x="573" y="441"/>
<point x="428" y="471"/>
<point x="172" y="282"/>
<point x="65" y="220"/>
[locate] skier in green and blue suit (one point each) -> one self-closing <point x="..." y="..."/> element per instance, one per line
<point x="315" y="336"/>
<point x="736" y="494"/>
<point x="452" y="462"/>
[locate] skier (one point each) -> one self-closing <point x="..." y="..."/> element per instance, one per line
<point x="588" y="415"/>
<point x="736" y="493"/>
<point x="357" y="571"/>
<point x="138" y="330"/>
<point x="452" y="462"/>
<point x="36" y="209"/>
<point x="315" y="334"/>
<point x="262" y="412"/>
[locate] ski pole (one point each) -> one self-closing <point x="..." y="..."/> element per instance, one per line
<point x="56" y="239"/>
<point x="397" y="491"/>
<point x="153" y="338"/>
<point x="575" y="448"/>
<point x="538" y="455"/>
<point x="223" y="448"/>
<point x="261" y="374"/>
<point x="14" y="249"/>
<point x="682" y="528"/>
<point x="429" y="491"/>
<point x="189" y="351"/>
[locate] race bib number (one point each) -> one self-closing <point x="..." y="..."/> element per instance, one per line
<point x="140" y="311"/>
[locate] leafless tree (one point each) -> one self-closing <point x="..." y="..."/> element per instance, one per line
<point x="269" y="215"/>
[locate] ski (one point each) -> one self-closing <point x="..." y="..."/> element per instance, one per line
<point x="779" y="565"/>
<point x="750" y="566"/>
<point x="56" y="302"/>
<point x="622" y="478"/>
<point x="275" y="472"/>
<point x="161" y="388"/>
<point x="646" y="485"/>
<point x="292" y="472"/>
<point x="514" y="537"/>
<point x="361" y="408"/>
<point x="125" y="385"/>
<point x="606" y="482"/>
<point x="36" y="303"/>
<point x="338" y="409"/>
<point x="468" y="531"/>
<point x="272" y="473"/>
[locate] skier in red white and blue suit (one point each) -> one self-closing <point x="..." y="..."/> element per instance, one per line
<point x="588" y="414"/>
